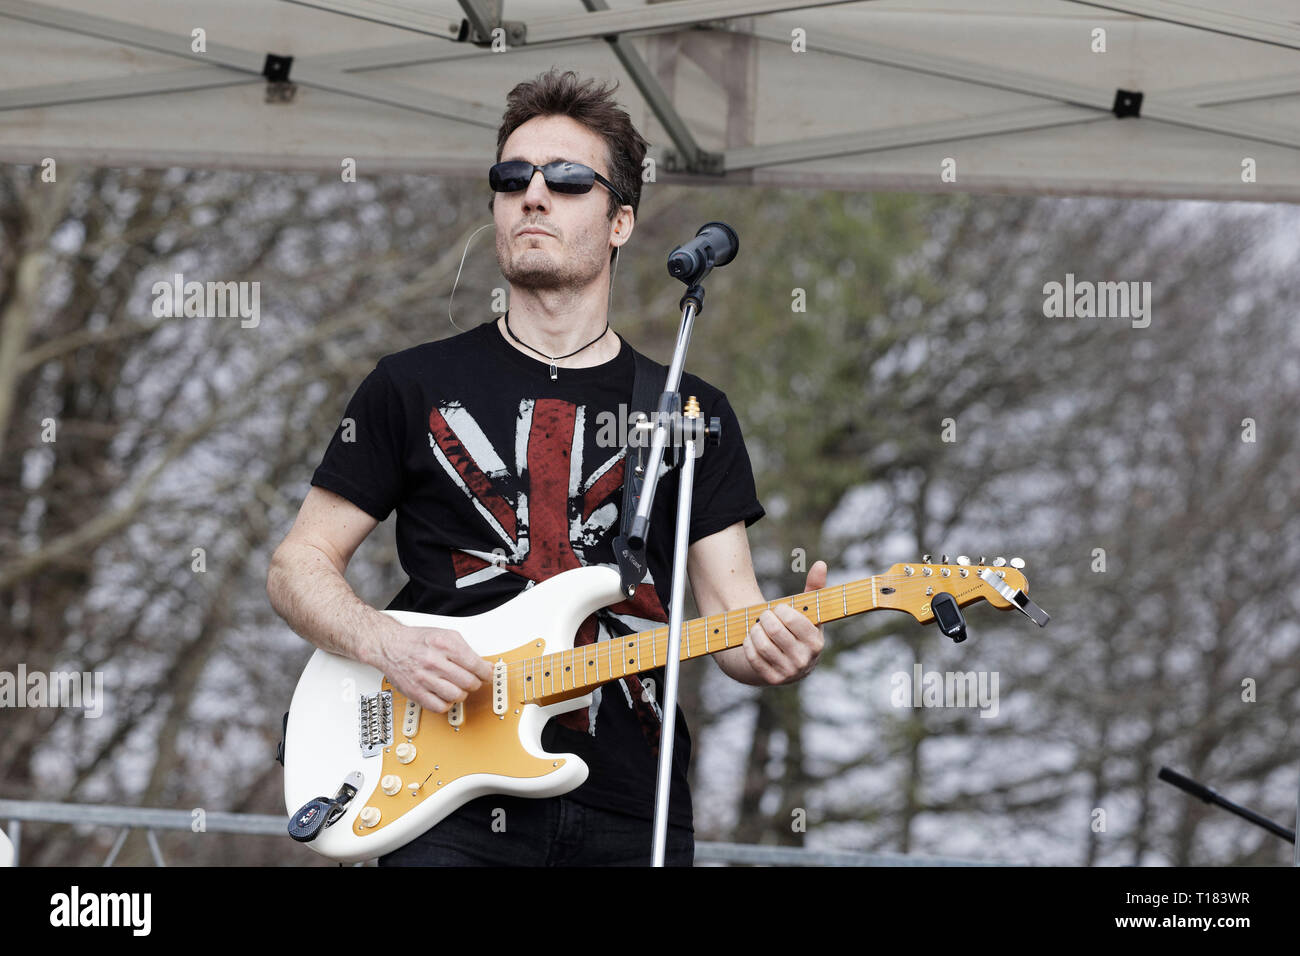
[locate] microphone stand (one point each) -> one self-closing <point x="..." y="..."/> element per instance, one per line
<point x="1209" y="795"/>
<point x="689" y="430"/>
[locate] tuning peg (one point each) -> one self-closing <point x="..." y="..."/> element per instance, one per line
<point x="963" y="560"/>
<point x="999" y="561"/>
<point x="925" y="558"/>
<point x="944" y="559"/>
<point x="1017" y="562"/>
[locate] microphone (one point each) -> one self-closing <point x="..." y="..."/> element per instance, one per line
<point x="714" y="245"/>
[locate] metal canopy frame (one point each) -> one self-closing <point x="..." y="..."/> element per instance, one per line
<point x="244" y="61"/>
<point x="1081" y="104"/>
<point x="1228" y="24"/>
<point x="655" y="17"/>
<point x="1073" y="103"/>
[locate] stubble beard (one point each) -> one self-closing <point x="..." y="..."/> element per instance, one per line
<point x="537" y="267"/>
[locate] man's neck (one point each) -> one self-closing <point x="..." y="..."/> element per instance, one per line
<point x="557" y="328"/>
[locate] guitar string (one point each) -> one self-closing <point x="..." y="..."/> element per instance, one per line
<point x="691" y="635"/>
<point x="851" y="590"/>
<point x="911" y="584"/>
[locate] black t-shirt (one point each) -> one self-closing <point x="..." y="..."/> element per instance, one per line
<point x="502" y="478"/>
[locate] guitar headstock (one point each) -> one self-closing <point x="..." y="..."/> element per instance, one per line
<point x="911" y="586"/>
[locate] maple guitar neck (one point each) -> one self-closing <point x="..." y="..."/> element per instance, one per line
<point x="904" y="587"/>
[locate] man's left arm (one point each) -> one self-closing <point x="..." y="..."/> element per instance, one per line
<point x="783" y="645"/>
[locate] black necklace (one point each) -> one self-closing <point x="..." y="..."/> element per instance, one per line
<point x="552" y="358"/>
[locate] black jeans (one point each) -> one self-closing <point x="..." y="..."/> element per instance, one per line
<point x="501" y="830"/>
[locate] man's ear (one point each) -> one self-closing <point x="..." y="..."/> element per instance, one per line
<point x="624" y="223"/>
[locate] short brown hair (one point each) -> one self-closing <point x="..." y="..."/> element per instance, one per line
<point x="564" y="94"/>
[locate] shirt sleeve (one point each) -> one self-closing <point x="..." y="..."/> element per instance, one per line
<point x="724" y="480"/>
<point x="364" y="462"/>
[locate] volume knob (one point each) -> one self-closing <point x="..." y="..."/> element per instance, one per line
<point x="370" y="817"/>
<point x="390" y="783"/>
<point x="405" y="752"/>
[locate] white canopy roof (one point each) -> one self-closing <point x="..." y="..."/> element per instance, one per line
<point x="1012" y="92"/>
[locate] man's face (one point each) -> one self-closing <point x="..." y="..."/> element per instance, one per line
<point x="572" y="248"/>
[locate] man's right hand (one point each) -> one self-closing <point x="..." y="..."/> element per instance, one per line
<point x="433" y="666"/>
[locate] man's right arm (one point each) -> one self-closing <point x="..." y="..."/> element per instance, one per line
<point x="434" y="666"/>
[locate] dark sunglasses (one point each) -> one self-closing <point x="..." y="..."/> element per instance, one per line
<point x="561" y="176"/>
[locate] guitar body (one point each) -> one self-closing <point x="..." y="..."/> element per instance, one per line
<point x="342" y="723"/>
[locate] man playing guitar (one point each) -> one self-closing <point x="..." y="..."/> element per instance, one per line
<point x="487" y="445"/>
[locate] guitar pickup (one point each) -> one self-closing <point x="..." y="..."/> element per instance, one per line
<point x="456" y="713"/>
<point x="1018" y="598"/>
<point x="411" y="719"/>
<point x="499" y="677"/>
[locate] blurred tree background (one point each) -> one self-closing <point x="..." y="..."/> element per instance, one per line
<point x="1147" y="476"/>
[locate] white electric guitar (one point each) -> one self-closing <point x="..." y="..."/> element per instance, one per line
<point x="366" y="770"/>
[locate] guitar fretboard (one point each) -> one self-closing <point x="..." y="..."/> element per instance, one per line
<point x="582" y="668"/>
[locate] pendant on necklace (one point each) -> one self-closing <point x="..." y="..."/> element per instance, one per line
<point x="552" y="370"/>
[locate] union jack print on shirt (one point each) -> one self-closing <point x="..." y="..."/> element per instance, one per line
<point x="548" y="503"/>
